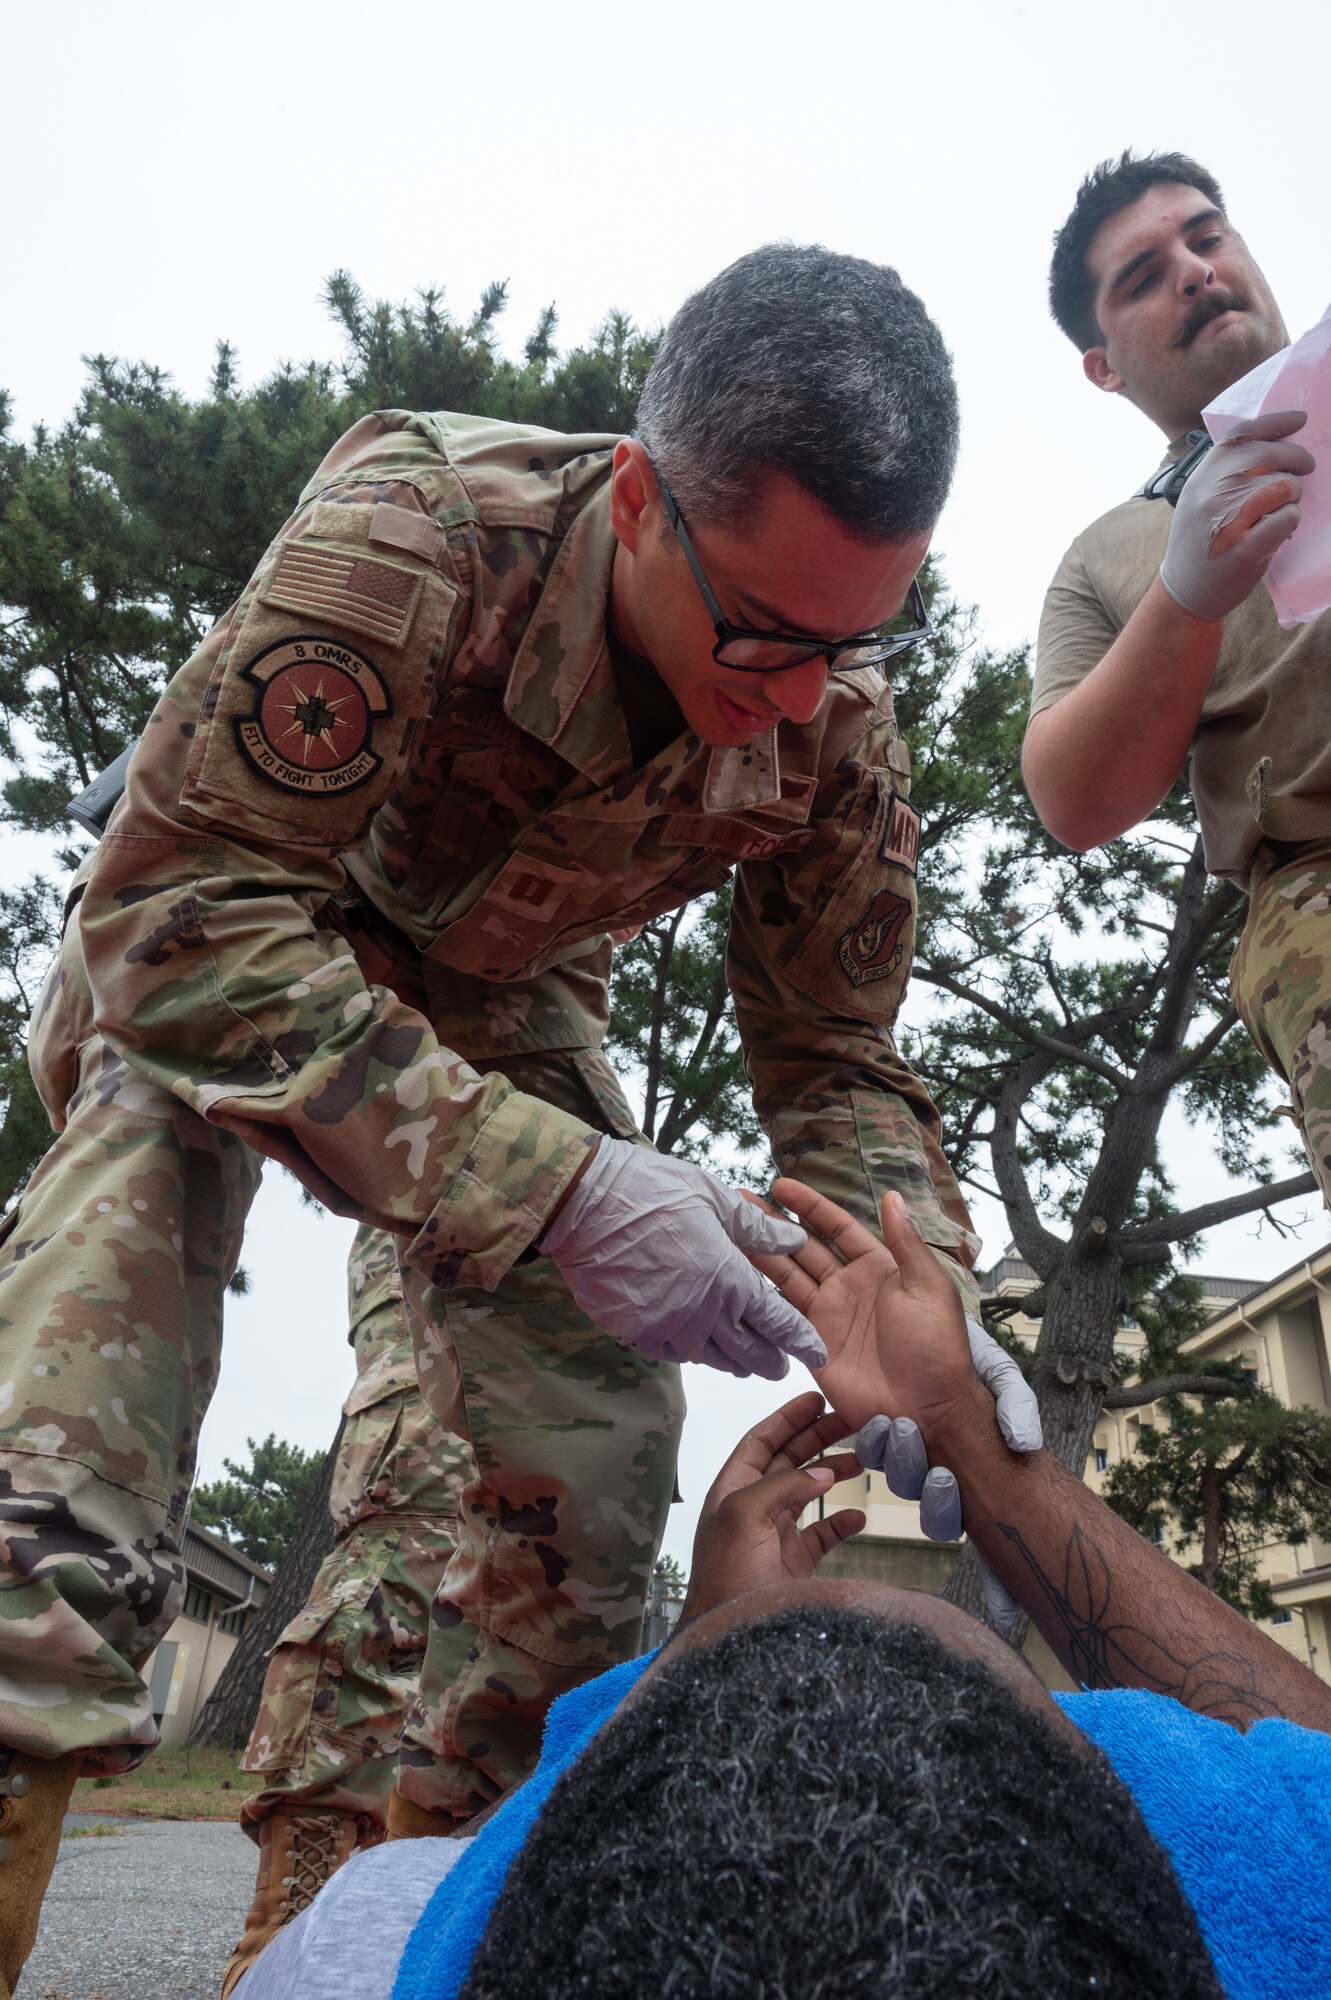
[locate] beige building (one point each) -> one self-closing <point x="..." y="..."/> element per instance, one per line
<point x="222" y="1589"/>
<point x="1280" y="1330"/>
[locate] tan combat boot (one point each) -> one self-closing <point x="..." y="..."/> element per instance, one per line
<point x="34" y="1795"/>
<point x="408" y="1821"/>
<point x="297" y="1853"/>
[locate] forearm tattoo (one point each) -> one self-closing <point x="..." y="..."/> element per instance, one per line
<point x="1106" y="1652"/>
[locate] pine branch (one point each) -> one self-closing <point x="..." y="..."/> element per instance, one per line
<point x="1163" y="1229"/>
<point x="662" y="981"/>
<point x="1038" y="1245"/>
<point x="1131" y="1395"/>
<point x="1063" y="1050"/>
<point x="683" y="1110"/>
<point x="1192" y="1059"/>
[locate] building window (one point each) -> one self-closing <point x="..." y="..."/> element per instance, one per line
<point x="198" y="1603"/>
<point x="1101" y="1459"/>
<point x="1282" y="1616"/>
<point x="1156" y="1533"/>
<point x="233" y="1622"/>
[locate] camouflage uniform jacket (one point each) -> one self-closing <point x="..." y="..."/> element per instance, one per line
<point x="382" y="821"/>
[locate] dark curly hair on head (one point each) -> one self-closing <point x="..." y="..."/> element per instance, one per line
<point x="1113" y="185"/>
<point x="824" y="1806"/>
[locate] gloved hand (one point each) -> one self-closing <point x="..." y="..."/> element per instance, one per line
<point x="1206" y="571"/>
<point x="894" y="1447"/>
<point x="652" y="1250"/>
<point x="1017" y="1411"/>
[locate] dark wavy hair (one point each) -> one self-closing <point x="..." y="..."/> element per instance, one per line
<point x="823" y="1806"/>
<point x="826" y="368"/>
<point x="1113" y="185"/>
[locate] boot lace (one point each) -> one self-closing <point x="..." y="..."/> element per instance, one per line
<point x="313" y="1859"/>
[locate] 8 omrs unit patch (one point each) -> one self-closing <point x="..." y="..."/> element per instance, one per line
<point x="316" y="702"/>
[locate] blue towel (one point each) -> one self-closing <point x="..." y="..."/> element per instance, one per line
<point x="1246" y="1820"/>
<point x="443" y="1944"/>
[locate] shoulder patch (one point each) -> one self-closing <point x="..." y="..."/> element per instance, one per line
<point x="901" y="840"/>
<point x="872" y="947"/>
<point x="315" y="703"/>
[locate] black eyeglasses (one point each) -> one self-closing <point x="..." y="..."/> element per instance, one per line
<point x="749" y="650"/>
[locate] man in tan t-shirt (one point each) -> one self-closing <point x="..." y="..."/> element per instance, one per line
<point x="1158" y="641"/>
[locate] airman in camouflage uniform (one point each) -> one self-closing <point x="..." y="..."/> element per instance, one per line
<point x="344" y="1673"/>
<point x="355" y="908"/>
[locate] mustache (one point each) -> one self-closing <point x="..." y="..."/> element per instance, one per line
<point x="1208" y="307"/>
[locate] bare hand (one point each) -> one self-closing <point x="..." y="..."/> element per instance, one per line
<point x="747" y="1532"/>
<point x="888" y="1313"/>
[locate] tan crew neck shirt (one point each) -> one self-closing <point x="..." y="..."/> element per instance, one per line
<point x="1261" y="757"/>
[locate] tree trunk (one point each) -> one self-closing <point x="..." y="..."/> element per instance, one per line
<point x="1211" y="1497"/>
<point x="1074" y="1355"/>
<point x="964" y="1589"/>
<point x="227" y="1716"/>
<point x="1072" y="1368"/>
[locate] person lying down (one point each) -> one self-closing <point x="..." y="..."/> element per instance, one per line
<point x="827" y="1789"/>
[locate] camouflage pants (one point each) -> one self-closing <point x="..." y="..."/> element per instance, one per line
<point x="346" y="1669"/>
<point x="112" y="1272"/>
<point x="1281" y="982"/>
<point x="575" y="1441"/>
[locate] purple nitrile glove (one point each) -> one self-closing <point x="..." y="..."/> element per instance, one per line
<point x="653" y="1249"/>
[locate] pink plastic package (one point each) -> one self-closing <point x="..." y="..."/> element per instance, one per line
<point x="1298" y="378"/>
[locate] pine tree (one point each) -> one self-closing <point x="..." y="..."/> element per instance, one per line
<point x="1222" y="1481"/>
<point x="259" y="1506"/>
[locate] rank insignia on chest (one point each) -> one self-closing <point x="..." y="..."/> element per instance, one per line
<point x="316" y="701"/>
<point x="901" y="842"/>
<point x="873" y="948"/>
<point x="533" y="888"/>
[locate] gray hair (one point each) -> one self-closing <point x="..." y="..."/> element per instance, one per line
<point x="825" y="368"/>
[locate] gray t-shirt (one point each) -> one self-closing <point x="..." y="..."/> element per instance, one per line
<point x="1261" y="758"/>
<point x="351" y="1938"/>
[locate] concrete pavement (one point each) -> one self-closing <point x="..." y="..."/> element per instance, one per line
<point x="151" y="1912"/>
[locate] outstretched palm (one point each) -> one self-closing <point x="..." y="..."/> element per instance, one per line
<point x="748" y="1531"/>
<point x="890" y="1317"/>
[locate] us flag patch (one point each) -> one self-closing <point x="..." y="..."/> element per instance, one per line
<point x="901" y="842"/>
<point x="346" y="588"/>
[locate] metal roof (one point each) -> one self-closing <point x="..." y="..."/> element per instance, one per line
<point x="1011" y="1270"/>
<point x="211" y="1560"/>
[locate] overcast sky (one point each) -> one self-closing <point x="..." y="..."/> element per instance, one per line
<point x="176" y="175"/>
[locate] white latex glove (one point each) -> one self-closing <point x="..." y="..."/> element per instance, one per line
<point x="1211" y="584"/>
<point x="652" y="1249"/>
<point x="894" y="1447"/>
